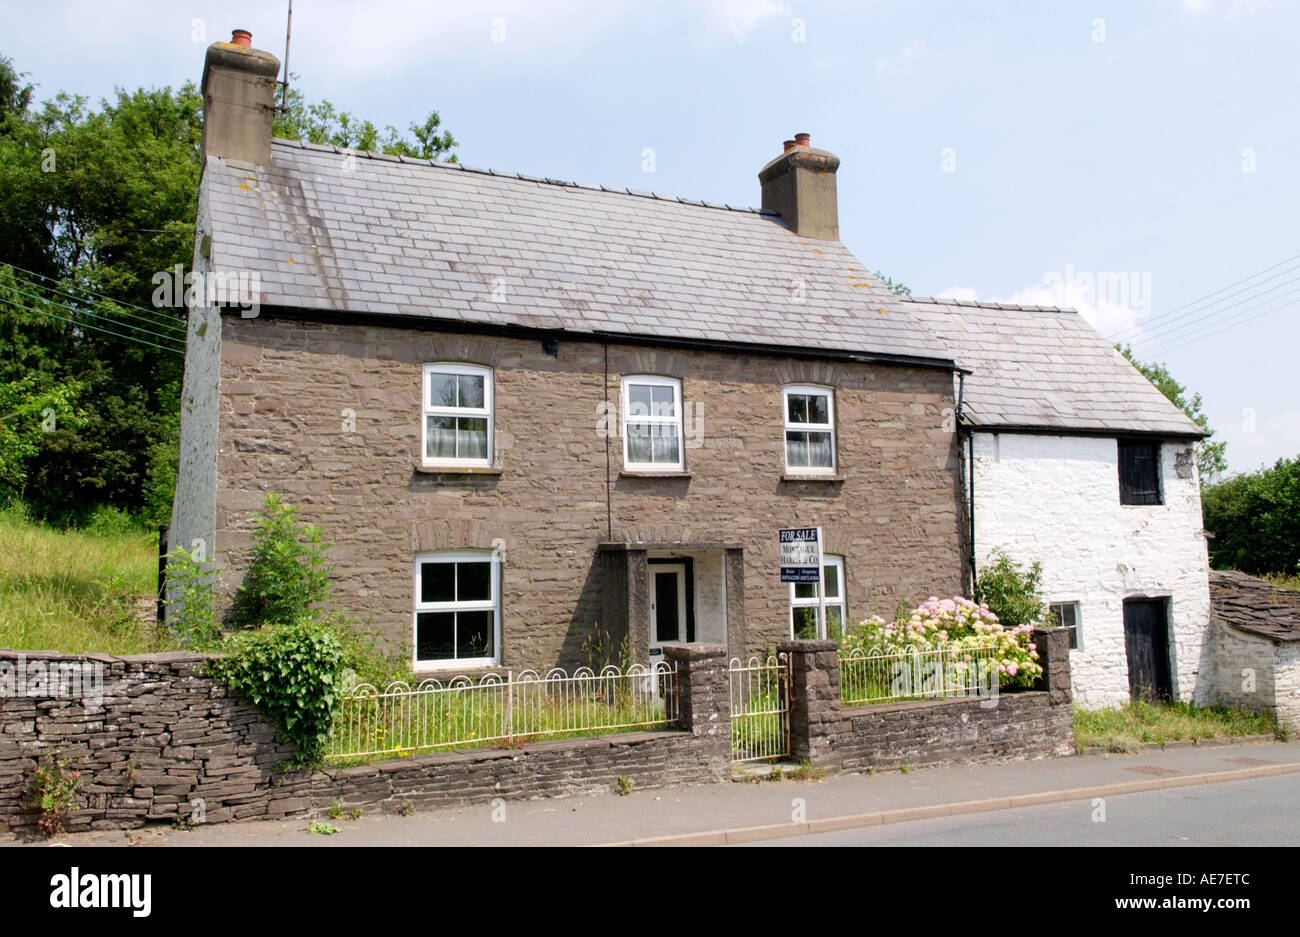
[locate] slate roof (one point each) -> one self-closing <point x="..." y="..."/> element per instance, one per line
<point x="1255" y="605"/>
<point x="339" y="230"/>
<point x="1040" y="367"/>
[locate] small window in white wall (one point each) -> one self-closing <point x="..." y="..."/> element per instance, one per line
<point x="1066" y="615"/>
<point x="809" y="430"/>
<point x="652" y="424"/>
<point x="457" y="415"/>
<point x="457" y="609"/>
<point x="803" y="602"/>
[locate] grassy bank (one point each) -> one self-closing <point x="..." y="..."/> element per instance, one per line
<point x="1128" y="728"/>
<point x="70" y="590"/>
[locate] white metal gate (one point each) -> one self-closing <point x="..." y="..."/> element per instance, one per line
<point x="760" y="708"/>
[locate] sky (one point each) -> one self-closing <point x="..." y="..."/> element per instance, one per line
<point x="1137" y="161"/>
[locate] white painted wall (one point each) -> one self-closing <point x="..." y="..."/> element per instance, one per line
<point x="1055" y="499"/>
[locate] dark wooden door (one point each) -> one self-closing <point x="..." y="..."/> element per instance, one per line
<point x="1146" y="640"/>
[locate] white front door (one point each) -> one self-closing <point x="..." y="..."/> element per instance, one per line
<point x="667" y="606"/>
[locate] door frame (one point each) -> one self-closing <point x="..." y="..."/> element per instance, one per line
<point x="1162" y="645"/>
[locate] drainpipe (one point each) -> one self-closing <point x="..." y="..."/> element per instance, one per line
<point x="609" y="511"/>
<point x="969" y="433"/>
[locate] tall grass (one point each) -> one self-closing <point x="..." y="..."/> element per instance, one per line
<point x="1127" y="728"/>
<point x="70" y="590"/>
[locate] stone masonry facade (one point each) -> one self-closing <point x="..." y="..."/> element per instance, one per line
<point x="329" y="416"/>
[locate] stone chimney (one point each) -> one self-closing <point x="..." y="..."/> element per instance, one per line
<point x="799" y="185"/>
<point x="238" y="100"/>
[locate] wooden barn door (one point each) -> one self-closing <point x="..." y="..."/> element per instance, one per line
<point x="1146" y="640"/>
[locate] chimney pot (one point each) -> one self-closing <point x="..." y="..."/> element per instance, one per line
<point x="242" y="37"/>
<point x="799" y="185"/>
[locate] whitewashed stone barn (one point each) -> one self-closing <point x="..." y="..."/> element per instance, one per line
<point x="1254" y="646"/>
<point x="1072" y="458"/>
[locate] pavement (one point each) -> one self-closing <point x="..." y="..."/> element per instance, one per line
<point x="740" y="812"/>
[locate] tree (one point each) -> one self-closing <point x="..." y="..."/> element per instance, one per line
<point x="289" y="573"/>
<point x="1255" y="520"/>
<point x="1210" y="458"/>
<point x="321" y="123"/>
<point x="898" y="289"/>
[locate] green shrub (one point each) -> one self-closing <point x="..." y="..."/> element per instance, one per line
<point x="1012" y="592"/>
<point x="191" y="606"/>
<point x="289" y="573"/>
<point x="108" y="521"/>
<point x="291" y="673"/>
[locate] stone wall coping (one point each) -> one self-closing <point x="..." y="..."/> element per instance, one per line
<point x="159" y="657"/>
<point x="903" y="705"/>
<point x="694" y="652"/>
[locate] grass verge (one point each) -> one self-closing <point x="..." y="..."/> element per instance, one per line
<point x="1128" y="728"/>
<point x="72" y="590"/>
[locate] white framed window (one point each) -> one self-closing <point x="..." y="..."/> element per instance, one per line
<point x="457" y="427"/>
<point x="1066" y="615"/>
<point x="652" y="424"/>
<point x="809" y="430"/>
<point x="457" y="609"/>
<point x="803" y="602"/>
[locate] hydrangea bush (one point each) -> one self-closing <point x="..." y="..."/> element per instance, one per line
<point x="958" y="624"/>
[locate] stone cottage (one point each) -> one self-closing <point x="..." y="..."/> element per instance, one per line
<point x="1072" y="458"/>
<point x="536" y="417"/>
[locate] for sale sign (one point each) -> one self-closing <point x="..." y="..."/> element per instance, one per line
<point x="799" y="551"/>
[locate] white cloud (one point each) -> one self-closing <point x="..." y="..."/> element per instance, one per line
<point x="1105" y="311"/>
<point x="735" y="20"/>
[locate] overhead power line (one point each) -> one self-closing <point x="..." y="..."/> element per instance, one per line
<point x="161" y="318"/>
<point x="1164" y="319"/>
<point x="87" y="325"/>
<point x="1182" y="341"/>
<point x="161" y="336"/>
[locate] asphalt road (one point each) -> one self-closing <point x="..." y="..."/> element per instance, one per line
<point x="1258" y="812"/>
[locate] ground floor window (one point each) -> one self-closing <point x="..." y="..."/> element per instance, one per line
<point x="457" y="609"/>
<point x="1066" y="615"/>
<point x="803" y="602"/>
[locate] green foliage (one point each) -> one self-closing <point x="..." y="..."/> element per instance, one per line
<point x="321" y="123"/>
<point x="365" y="658"/>
<point x="291" y="674"/>
<point x="289" y="573"/>
<point x="1012" y="592"/>
<point x="29" y="413"/>
<point x="623" y="785"/>
<point x="52" y="792"/>
<point x="1210" y="458"/>
<point x="323" y="828"/>
<point x="1255" y="520"/>
<point x="191" y="604"/>
<point x="898" y="289"/>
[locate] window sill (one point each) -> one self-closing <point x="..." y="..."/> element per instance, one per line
<point x="789" y="477"/>
<point x="636" y="473"/>
<point x="458" y="469"/>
